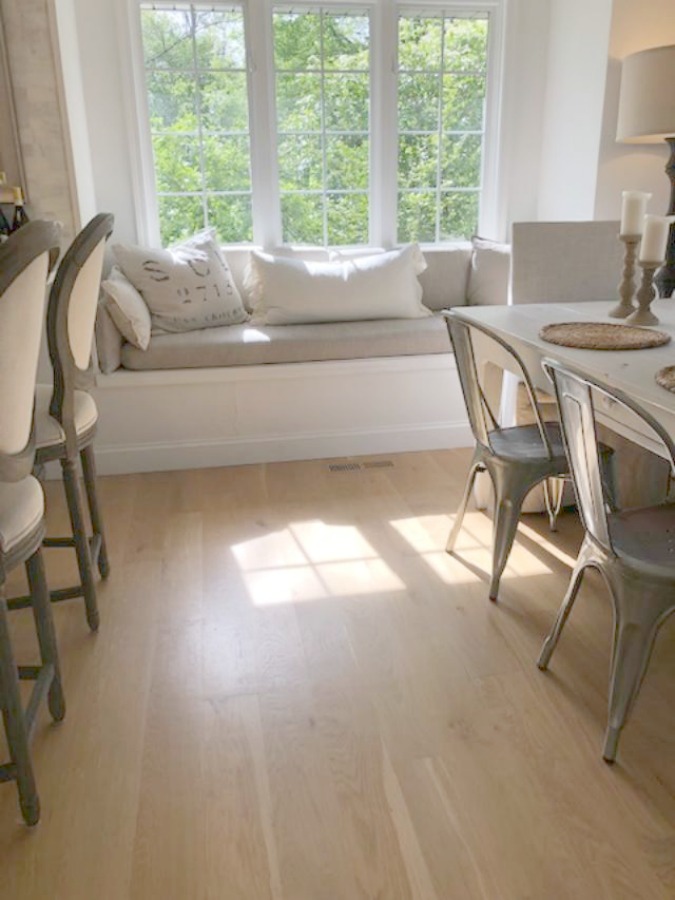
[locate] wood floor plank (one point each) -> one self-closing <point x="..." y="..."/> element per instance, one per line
<point x="297" y="694"/>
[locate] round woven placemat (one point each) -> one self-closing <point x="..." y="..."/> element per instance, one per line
<point x="666" y="378"/>
<point x="602" y="336"/>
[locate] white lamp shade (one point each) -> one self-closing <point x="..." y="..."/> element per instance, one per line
<point x="647" y="98"/>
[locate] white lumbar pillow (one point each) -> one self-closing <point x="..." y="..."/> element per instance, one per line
<point x="187" y="287"/>
<point x="293" y="292"/>
<point x="127" y="309"/>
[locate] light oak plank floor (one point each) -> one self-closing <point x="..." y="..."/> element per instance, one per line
<point x="296" y="694"/>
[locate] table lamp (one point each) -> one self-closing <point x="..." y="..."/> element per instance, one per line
<point x="647" y="116"/>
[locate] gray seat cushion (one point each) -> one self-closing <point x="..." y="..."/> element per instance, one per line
<point x="21" y="511"/>
<point x="250" y="345"/>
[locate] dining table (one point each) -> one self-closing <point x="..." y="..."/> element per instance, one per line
<point x="633" y="372"/>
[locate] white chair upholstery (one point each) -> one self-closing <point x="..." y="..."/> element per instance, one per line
<point x="21" y="511"/>
<point x="48" y="431"/>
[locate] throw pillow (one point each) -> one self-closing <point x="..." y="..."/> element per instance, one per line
<point x="489" y="275"/>
<point x="187" y="287"/>
<point x="293" y="292"/>
<point x="127" y="309"/>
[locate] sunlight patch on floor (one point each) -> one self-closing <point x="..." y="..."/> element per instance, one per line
<point x="312" y="561"/>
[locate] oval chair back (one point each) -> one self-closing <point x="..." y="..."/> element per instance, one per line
<point x="26" y="259"/>
<point x="71" y="317"/>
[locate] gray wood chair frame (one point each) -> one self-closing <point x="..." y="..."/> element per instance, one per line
<point x="34" y="240"/>
<point x="516" y="459"/>
<point x="69" y="377"/>
<point x="632" y="549"/>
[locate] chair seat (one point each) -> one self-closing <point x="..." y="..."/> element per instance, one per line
<point x="48" y="431"/>
<point x="523" y="443"/>
<point x="646" y="535"/>
<point x="22" y="507"/>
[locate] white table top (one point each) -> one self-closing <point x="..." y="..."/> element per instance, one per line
<point x="632" y="371"/>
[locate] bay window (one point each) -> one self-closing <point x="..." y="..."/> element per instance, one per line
<point x="319" y="123"/>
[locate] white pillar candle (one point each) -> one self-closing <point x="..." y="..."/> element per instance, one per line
<point x="655" y="238"/>
<point x="633" y="207"/>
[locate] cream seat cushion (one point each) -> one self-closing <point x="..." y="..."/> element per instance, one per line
<point x="22" y="507"/>
<point x="48" y="431"/>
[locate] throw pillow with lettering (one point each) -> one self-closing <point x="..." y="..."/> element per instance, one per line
<point x="186" y="287"/>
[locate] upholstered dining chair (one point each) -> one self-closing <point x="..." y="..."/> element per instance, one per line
<point x="25" y="261"/>
<point x="66" y="415"/>
<point x="633" y="549"/>
<point x="516" y="458"/>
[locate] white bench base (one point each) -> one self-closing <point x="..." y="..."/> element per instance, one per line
<point x="197" y="418"/>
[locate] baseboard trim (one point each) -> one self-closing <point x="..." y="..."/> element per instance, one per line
<point x="202" y="454"/>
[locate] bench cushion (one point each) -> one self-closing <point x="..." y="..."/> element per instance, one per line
<point x="249" y="345"/>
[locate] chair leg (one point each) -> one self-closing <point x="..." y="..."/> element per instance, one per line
<point x="552" y="639"/>
<point x="44" y="625"/>
<point x="459" y="516"/>
<point x="15" y="724"/>
<point x="77" y="521"/>
<point x="89" y="472"/>
<point x="509" y="496"/>
<point x="637" y="622"/>
<point x="553" y="497"/>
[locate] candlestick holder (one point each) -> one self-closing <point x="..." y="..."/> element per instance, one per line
<point x="646" y="293"/>
<point x="627" y="287"/>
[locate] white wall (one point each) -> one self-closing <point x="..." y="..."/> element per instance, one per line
<point x="636" y="25"/>
<point x="575" y="91"/>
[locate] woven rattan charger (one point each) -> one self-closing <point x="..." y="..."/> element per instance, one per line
<point x="666" y="378"/>
<point x="602" y="336"/>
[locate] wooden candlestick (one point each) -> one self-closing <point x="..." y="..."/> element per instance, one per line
<point x="627" y="287"/>
<point x="643" y="315"/>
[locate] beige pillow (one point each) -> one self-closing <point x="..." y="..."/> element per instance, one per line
<point x="127" y="309"/>
<point x="490" y="273"/>
<point x="187" y="287"/>
<point x="294" y="292"/>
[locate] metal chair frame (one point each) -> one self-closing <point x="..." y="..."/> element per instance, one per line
<point x="642" y="590"/>
<point x="516" y="459"/>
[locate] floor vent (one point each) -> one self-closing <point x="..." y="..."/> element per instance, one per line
<point x="379" y="464"/>
<point x="344" y="467"/>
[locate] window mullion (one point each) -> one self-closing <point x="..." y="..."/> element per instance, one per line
<point x="383" y="126"/>
<point x="264" y="167"/>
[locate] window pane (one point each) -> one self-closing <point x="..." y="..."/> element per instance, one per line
<point x="418" y="108"/>
<point x="347" y="219"/>
<point x="179" y="217"/>
<point x="461" y="160"/>
<point x="323" y="121"/>
<point x="224" y="101"/>
<point x="449" y="56"/>
<point x="459" y="215"/>
<point x="466" y="45"/>
<point x="418" y="161"/>
<point x="300" y="163"/>
<point x="345" y="41"/>
<point x="346" y="102"/>
<point x="197" y="90"/>
<point x="231" y="217"/>
<point x="168" y="38"/>
<point x="220" y="40"/>
<point x="226" y="165"/>
<point x="297" y="40"/>
<point x="171" y="102"/>
<point x="299" y="102"/>
<point x="417" y="216"/>
<point x="176" y="162"/>
<point x="347" y="162"/>
<point x="463" y="103"/>
<point x="302" y="215"/>
<point x="419" y="43"/>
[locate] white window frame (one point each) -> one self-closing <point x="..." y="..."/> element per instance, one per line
<point x="383" y="182"/>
